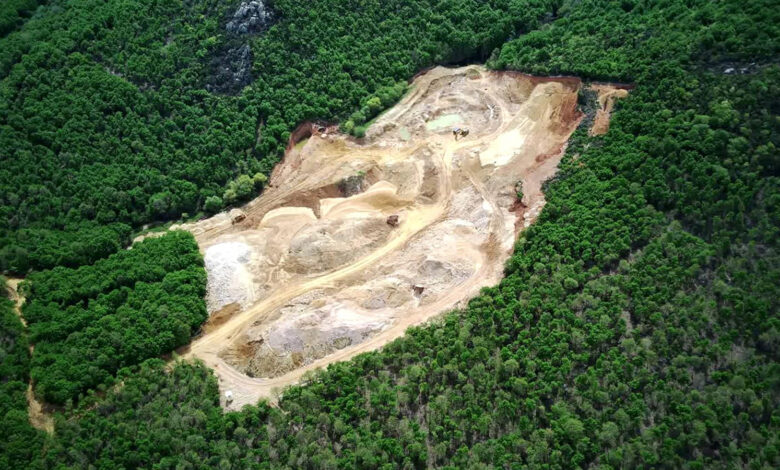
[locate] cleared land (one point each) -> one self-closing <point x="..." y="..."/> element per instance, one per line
<point x="320" y="270"/>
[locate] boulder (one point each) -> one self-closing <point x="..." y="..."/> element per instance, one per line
<point x="237" y="216"/>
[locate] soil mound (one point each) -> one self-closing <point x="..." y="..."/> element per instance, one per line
<point x="328" y="244"/>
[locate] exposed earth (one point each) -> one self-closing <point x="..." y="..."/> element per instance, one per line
<point x="354" y="241"/>
<point x="607" y="93"/>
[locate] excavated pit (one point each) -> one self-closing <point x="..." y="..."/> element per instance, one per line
<point x="356" y="240"/>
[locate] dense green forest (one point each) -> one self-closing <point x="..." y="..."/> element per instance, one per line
<point x="89" y="322"/>
<point x="637" y="325"/>
<point x="14" y="12"/>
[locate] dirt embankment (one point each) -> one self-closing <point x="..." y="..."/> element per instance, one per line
<point x="355" y="241"/>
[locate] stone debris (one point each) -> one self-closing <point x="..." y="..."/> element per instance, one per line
<point x="227" y="279"/>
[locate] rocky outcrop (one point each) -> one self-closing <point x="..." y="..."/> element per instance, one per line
<point x="231" y="70"/>
<point x="250" y="17"/>
<point x="352" y="185"/>
<point x="231" y="63"/>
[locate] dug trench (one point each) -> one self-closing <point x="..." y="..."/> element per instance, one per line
<point x="354" y="241"/>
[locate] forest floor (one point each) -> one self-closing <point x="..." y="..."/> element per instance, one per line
<point x="40" y="414"/>
<point x="319" y="271"/>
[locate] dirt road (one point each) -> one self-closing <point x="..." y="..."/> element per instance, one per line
<point x="40" y="418"/>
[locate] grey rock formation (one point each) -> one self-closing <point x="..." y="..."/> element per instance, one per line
<point x="232" y="70"/>
<point x="231" y="63"/>
<point x="250" y="17"/>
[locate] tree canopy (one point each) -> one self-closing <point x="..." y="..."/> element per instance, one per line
<point x="89" y="322"/>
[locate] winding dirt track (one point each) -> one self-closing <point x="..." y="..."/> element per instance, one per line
<point x="518" y="126"/>
<point x="40" y="418"/>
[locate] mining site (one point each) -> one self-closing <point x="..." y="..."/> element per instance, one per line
<point x="355" y="240"/>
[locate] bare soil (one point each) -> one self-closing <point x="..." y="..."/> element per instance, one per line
<point x="314" y="275"/>
<point x="608" y="93"/>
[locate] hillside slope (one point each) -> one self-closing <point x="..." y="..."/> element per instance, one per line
<point x="637" y="324"/>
